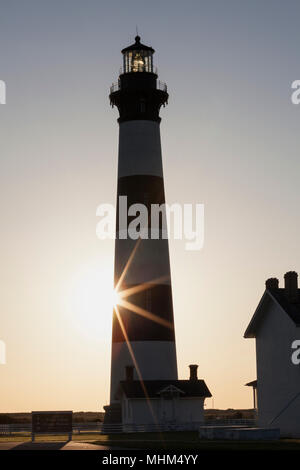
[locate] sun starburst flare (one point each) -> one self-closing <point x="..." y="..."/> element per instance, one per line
<point x="120" y="299"/>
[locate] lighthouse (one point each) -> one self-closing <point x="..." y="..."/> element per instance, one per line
<point x="144" y="387"/>
<point x="143" y="334"/>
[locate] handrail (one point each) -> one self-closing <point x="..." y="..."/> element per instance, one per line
<point x="114" y="87"/>
<point x="159" y="86"/>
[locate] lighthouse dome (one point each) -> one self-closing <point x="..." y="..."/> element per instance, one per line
<point x="137" y="46"/>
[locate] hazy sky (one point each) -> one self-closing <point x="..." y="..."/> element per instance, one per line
<point x="230" y="140"/>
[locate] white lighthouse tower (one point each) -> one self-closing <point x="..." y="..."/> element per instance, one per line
<point x="143" y="327"/>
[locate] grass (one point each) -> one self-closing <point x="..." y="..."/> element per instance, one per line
<point x="162" y="441"/>
<point x="190" y="440"/>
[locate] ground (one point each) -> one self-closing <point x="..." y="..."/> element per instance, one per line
<point x="50" y="446"/>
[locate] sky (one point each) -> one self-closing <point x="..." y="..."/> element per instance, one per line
<point x="229" y="141"/>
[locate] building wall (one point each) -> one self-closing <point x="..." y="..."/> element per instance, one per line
<point x="278" y="378"/>
<point x="161" y="411"/>
<point x="191" y="410"/>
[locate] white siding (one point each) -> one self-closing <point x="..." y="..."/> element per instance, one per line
<point x="160" y="411"/>
<point x="278" y="378"/>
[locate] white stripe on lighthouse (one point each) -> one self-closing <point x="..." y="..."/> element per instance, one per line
<point x="156" y="360"/>
<point x="139" y="149"/>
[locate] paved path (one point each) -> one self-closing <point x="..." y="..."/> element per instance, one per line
<point x="72" y="445"/>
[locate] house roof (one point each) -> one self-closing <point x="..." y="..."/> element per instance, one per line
<point x="187" y="388"/>
<point x="277" y="295"/>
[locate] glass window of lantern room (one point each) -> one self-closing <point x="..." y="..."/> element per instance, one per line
<point x="150" y="62"/>
<point x="138" y="64"/>
<point x="129" y="54"/>
<point x="133" y="66"/>
<point x="143" y="64"/>
<point x="129" y="62"/>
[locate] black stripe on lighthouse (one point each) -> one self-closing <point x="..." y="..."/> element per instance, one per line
<point x="158" y="301"/>
<point x="150" y="264"/>
<point x="141" y="189"/>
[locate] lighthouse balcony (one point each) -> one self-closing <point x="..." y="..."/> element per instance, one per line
<point x="159" y="86"/>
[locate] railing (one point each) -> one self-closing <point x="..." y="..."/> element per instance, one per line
<point x="9" y="429"/>
<point x="163" y="427"/>
<point x="115" y="87"/>
<point x="78" y="428"/>
<point x="86" y="427"/>
<point x="159" y="86"/>
<point x="230" y="422"/>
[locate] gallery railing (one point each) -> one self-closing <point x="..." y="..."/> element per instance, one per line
<point x="159" y="86"/>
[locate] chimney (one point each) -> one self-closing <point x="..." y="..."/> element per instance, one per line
<point x="291" y="286"/>
<point x="272" y="283"/>
<point x="129" y="373"/>
<point x="193" y="372"/>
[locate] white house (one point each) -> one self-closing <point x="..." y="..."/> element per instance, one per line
<point x="276" y="327"/>
<point x="166" y="404"/>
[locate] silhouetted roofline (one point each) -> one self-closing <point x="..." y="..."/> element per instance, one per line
<point x="188" y="388"/>
<point x="252" y="384"/>
<point x="292" y="309"/>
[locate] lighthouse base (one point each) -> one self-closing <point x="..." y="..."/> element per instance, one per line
<point x="113" y="414"/>
<point x="156" y="360"/>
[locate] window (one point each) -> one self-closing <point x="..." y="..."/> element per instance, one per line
<point x="143" y="105"/>
<point x="138" y="61"/>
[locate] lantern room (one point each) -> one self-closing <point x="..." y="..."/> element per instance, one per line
<point x="138" y="93"/>
<point x="138" y="57"/>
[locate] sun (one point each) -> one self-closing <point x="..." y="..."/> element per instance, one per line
<point x="116" y="298"/>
